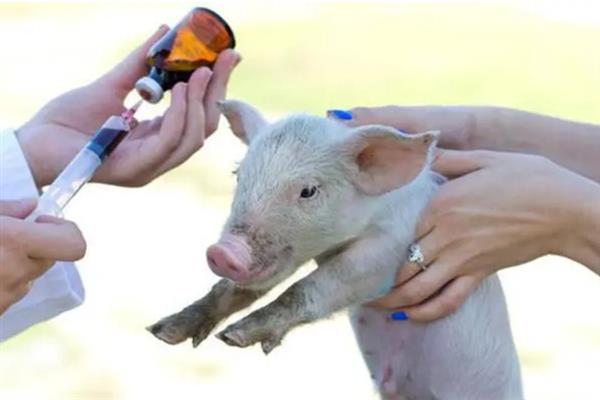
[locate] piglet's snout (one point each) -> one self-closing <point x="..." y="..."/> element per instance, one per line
<point x="230" y="258"/>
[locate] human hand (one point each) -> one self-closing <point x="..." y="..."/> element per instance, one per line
<point x="498" y="210"/>
<point x="28" y="249"/>
<point x="573" y="145"/>
<point x="457" y="124"/>
<point x="62" y="127"/>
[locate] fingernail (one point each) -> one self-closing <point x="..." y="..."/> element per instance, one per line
<point x="21" y="208"/>
<point x="198" y="92"/>
<point x="206" y="72"/>
<point x="26" y="204"/>
<point x="237" y="57"/>
<point x="48" y="219"/>
<point x="339" y="114"/>
<point x="399" y="316"/>
<point x="179" y="89"/>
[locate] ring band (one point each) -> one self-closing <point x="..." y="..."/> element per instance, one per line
<point x="415" y="255"/>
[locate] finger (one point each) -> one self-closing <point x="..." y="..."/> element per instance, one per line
<point x="455" y="163"/>
<point x="51" y="238"/>
<point x="124" y="75"/>
<point x="17" y="208"/>
<point x="21" y="292"/>
<point x="427" y="220"/>
<point x="193" y="133"/>
<point x="430" y="246"/>
<point x="35" y="268"/>
<point x="419" y="288"/>
<point x="13" y="296"/>
<point x="446" y="302"/>
<point x="142" y="130"/>
<point x="217" y="87"/>
<point x="138" y="161"/>
<point x="402" y="118"/>
<point x="22" y="269"/>
<point x="156" y="149"/>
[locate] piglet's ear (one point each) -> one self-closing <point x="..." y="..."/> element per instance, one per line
<point x="384" y="159"/>
<point x="245" y="121"/>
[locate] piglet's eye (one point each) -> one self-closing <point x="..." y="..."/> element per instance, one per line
<point x="308" y="192"/>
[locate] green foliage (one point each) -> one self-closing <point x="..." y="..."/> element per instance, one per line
<point x="412" y="54"/>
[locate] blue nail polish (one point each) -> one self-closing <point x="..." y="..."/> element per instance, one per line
<point x="340" y="114"/>
<point x="399" y="316"/>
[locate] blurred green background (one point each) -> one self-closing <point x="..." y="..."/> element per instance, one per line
<point x="146" y="246"/>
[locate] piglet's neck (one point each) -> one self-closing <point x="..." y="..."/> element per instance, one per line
<point x="404" y="204"/>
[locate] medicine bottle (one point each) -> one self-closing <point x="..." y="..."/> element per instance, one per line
<point x="194" y="42"/>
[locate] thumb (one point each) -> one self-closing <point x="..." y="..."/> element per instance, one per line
<point x="17" y="208"/>
<point x="455" y="163"/>
<point x="124" y="75"/>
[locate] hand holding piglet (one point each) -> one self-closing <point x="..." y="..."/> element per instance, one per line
<point x="500" y="209"/>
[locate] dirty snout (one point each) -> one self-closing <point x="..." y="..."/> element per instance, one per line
<point x="230" y="257"/>
<point x="247" y="258"/>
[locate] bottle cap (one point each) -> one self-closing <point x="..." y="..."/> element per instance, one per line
<point x="149" y="89"/>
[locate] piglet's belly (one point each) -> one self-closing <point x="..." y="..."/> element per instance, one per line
<point x="392" y="351"/>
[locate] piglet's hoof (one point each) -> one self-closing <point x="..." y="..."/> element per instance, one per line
<point x="179" y="327"/>
<point x="240" y="338"/>
<point x="234" y="338"/>
<point x="171" y="334"/>
<point x="268" y="345"/>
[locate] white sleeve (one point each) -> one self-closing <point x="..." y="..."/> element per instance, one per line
<point x="60" y="288"/>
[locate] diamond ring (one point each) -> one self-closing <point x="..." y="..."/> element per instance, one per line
<point x="415" y="255"/>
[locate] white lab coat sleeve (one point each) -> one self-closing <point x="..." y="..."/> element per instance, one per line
<point x="60" y="288"/>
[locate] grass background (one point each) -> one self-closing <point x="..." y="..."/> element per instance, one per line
<point x="146" y="246"/>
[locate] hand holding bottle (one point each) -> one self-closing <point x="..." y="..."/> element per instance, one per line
<point x="62" y="127"/>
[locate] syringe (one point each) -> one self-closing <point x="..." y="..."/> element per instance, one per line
<point x="81" y="169"/>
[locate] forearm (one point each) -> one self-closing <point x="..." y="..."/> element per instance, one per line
<point x="573" y="145"/>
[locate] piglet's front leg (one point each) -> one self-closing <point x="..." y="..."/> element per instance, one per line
<point x="269" y="324"/>
<point x="197" y="320"/>
<point x="333" y="286"/>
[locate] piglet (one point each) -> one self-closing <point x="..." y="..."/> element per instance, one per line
<point x="349" y="198"/>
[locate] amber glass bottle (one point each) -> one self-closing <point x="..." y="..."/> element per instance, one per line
<point x="194" y="42"/>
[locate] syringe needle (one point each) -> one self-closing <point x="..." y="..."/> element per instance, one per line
<point x="130" y="112"/>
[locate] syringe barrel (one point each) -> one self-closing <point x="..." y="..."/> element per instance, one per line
<point x="108" y="137"/>
<point x="79" y="171"/>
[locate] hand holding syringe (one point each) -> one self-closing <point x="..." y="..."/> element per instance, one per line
<point x="81" y="169"/>
<point x="193" y="45"/>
